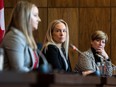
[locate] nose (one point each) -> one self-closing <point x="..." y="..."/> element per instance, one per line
<point x="100" y="42"/>
<point x="61" y="32"/>
<point x="39" y="19"/>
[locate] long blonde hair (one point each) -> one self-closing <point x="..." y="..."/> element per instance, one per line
<point x="20" y="19"/>
<point x="48" y="38"/>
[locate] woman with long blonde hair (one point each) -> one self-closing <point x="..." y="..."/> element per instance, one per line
<point x="19" y="44"/>
<point x="55" y="47"/>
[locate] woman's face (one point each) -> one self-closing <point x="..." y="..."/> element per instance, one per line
<point x="59" y="33"/>
<point x="35" y="19"/>
<point x="98" y="44"/>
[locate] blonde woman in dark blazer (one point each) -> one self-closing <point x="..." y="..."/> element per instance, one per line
<point x="55" y="47"/>
<point x="19" y="44"/>
<point x="88" y="62"/>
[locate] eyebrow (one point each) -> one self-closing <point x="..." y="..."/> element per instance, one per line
<point x="59" y="28"/>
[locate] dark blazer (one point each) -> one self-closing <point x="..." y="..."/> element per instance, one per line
<point x="53" y="57"/>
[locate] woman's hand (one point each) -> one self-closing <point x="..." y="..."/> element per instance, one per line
<point x="103" y="53"/>
<point x="85" y="73"/>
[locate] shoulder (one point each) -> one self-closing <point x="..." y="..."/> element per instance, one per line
<point x="18" y="35"/>
<point x="50" y="46"/>
<point x="87" y="54"/>
<point x="51" y="49"/>
<point x="15" y="35"/>
<point x="15" y="38"/>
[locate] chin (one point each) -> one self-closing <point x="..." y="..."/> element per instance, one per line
<point x="62" y="41"/>
<point x="35" y="28"/>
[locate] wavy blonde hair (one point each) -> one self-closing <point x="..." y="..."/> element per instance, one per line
<point x="48" y="38"/>
<point x="20" y="19"/>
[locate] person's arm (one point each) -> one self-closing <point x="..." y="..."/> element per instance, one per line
<point x="87" y="72"/>
<point x="109" y="67"/>
<point x="14" y="47"/>
<point x="84" y="65"/>
<point x="52" y="56"/>
<point x="101" y="52"/>
<point x="107" y="60"/>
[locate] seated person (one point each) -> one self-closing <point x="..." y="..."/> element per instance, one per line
<point x="89" y="60"/>
<point x="19" y="45"/>
<point x="55" y="47"/>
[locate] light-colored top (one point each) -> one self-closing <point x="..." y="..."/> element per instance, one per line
<point x="18" y="54"/>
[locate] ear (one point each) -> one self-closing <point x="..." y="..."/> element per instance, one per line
<point x="91" y="42"/>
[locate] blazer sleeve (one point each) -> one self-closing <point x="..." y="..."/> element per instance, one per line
<point x="14" y="47"/>
<point x="52" y="56"/>
<point x="109" y="67"/>
<point x="84" y="63"/>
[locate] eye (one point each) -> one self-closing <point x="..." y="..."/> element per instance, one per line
<point x="97" y="40"/>
<point x="64" y="30"/>
<point x="57" y="30"/>
<point x="36" y="15"/>
<point x="103" y="41"/>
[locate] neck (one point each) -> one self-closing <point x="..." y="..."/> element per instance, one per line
<point x="59" y="45"/>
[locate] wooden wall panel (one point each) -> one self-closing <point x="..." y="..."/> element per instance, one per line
<point x="113" y="2"/>
<point x="94" y="3"/>
<point x="40" y="33"/>
<point x="92" y="19"/>
<point x="9" y="3"/>
<point x="39" y="3"/>
<point x="7" y="15"/>
<point x="113" y="35"/>
<point x="70" y="15"/>
<point x="63" y="3"/>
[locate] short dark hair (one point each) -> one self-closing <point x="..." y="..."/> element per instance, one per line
<point x="99" y="35"/>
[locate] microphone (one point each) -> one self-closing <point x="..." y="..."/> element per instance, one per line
<point x="76" y="49"/>
<point x="45" y="67"/>
<point x="101" y="56"/>
<point x="96" y="72"/>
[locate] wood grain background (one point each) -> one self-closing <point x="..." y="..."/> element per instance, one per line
<point x="83" y="18"/>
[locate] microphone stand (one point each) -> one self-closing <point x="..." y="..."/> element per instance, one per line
<point x="45" y="67"/>
<point x="76" y="49"/>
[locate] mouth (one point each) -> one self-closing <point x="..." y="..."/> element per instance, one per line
<point x="99" y="47"/>
<point x="61" y="38"/>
